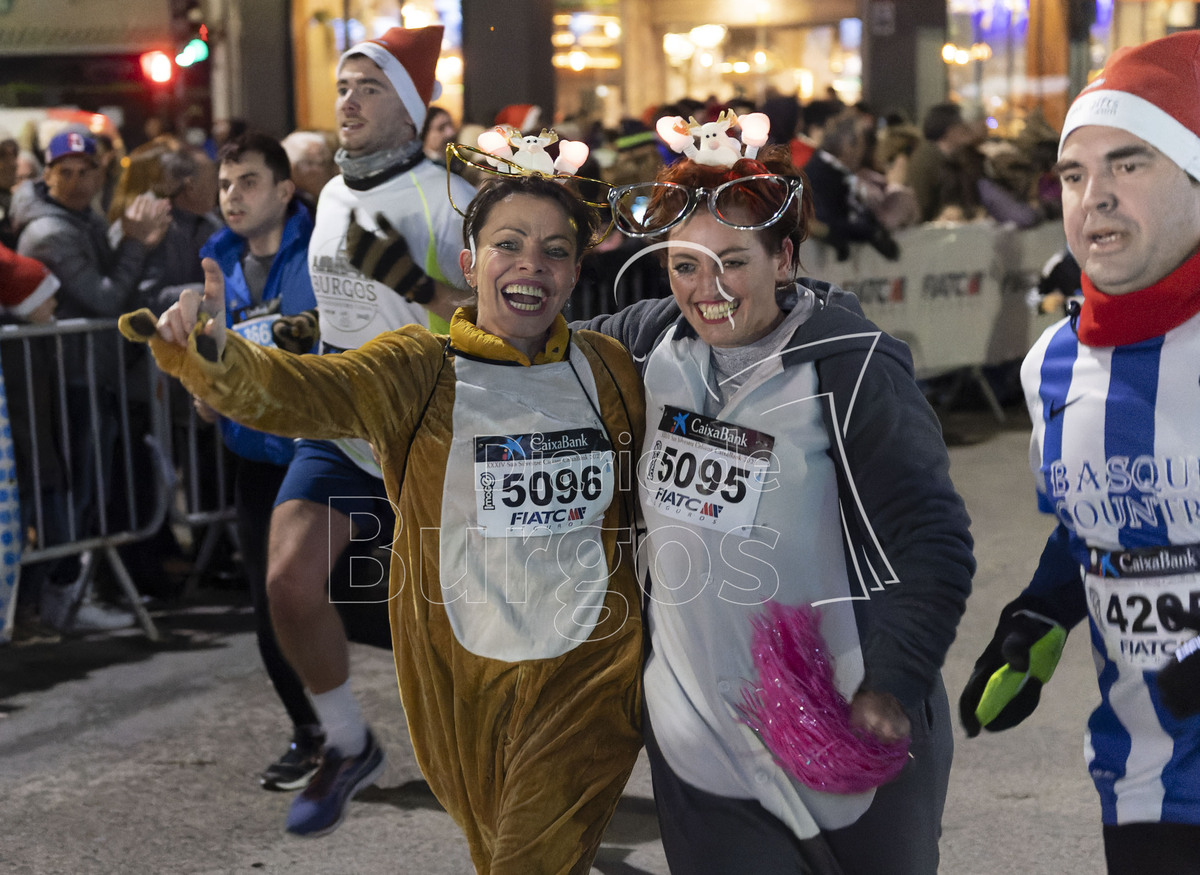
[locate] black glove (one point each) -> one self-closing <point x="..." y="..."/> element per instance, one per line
<point x="841" y="246"/>
<point x="1179" y="680"/>
<point x="1006" y="683"/>
<point x="297" y="333"/>
<point x="386" y="258"/>
<point x="885" y="244"/>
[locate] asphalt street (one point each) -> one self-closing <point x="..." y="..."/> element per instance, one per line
<point x="122" y="756"/>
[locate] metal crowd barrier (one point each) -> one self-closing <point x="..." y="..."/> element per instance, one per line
<point x="88" y="435"/>
<point x="203" y="503"/>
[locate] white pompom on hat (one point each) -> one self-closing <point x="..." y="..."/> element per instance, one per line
<point x="1151" y="91"/>
<point x="24" y="283"/>
<point x="408" y="57"/>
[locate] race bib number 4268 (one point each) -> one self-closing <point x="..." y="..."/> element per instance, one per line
<point x="1137" y="615"/>
<point x="705" y="471"/>
<point x="542" y="483"/>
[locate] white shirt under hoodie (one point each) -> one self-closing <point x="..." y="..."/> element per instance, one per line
<point x="354" y="308"/>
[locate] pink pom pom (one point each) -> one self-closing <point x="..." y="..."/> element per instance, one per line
<point x="799" y="714"/>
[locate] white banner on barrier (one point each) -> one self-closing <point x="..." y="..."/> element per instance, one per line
<point x="956" y="296"/>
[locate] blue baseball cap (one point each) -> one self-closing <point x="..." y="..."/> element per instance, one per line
<point x="70" y="143"/>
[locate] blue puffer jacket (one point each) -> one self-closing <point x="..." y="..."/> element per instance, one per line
<point x="288" y="291"/>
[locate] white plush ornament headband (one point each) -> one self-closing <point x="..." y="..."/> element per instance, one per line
<point x="530" y="153"/>
<point x="716" y="147"/>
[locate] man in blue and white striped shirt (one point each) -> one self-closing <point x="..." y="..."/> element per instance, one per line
<point x="1114" y="395"/>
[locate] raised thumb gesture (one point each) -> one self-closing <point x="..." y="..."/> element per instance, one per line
<point x="177" y="324"/>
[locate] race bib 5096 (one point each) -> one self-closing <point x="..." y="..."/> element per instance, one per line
<point x="542" y="483"/>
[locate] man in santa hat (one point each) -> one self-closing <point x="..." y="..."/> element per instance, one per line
<point x="1114" y="397"/>
<point x="333" y="494"/>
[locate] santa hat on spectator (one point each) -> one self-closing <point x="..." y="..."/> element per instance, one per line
<point x="522" y="116"/>
<point x="24" y="283"/>
<point x="1151" y="91"/>
<point x="408" y="57"/>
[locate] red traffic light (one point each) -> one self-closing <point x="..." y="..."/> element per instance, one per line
<point x="157" y="67"/>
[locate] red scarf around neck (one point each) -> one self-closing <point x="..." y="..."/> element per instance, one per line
<point x="1117" y="320"/>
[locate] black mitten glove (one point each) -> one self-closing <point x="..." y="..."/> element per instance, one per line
<point x="1006" y="683"/>
<point x="1179" y="680"/>
<point x="885" y="244"/>
<point x="297" y="333"/>
<point x="384" y="256"/>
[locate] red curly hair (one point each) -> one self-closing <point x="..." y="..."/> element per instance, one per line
<point x="793" y="225"/>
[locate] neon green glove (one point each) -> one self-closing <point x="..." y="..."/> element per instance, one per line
<point x="1007" y="681"/>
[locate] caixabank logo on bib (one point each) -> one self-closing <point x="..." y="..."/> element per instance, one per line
<point x="345" y="297"/>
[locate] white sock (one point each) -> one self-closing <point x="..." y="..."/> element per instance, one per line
<point x="342" y="720"/>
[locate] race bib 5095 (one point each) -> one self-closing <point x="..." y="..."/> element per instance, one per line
<point x="705" y="471"/>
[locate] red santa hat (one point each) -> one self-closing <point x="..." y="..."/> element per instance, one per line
<point x="408" y="57"/>
<point x="1151" y="91"/>
<point x="522" y="116"/>
<point x="25" y="284"/>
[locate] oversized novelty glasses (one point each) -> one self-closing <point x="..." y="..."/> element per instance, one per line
<point x="593" y="192"/>
<point x="748" y="204"/>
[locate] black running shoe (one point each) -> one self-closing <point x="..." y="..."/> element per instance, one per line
<point x="299" y="763"/>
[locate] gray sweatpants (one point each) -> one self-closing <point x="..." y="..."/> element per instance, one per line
<point x="706" y="834"/>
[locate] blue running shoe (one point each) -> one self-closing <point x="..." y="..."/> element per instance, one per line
<point x="320" y="808"/>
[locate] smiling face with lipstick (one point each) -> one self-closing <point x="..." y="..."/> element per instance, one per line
<point x="732" y="237"/>
<point x="525" y="237"/>
<point x="731" y="302"/>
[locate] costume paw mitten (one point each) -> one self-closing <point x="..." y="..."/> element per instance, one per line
<point x="141" y="326"/>
<point x="1006" y="683"/>
<point x="384" y="256"/>
<point x="1179" y="679"/>
<point x="138" y="326"/>
<point x="298" y="333"/>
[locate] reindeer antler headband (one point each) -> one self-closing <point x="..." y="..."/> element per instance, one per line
<point x="717" y="147"/>
<point x="505" y="151"/>
<point x="507" y="144"/>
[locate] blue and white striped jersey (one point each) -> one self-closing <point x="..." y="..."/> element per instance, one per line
<point x="1116" y="455"/>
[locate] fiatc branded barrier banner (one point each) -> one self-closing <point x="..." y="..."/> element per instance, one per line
<point x="956" y="295"/>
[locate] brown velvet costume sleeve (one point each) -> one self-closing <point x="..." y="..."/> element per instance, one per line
<point x="367" y="393"/>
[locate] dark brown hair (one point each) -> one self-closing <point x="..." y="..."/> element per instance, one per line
<point x="272" y="151"/>
<point x="585" y="221"/>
